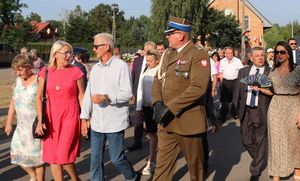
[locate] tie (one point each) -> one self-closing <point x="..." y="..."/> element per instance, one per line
<point x="145" y="69"/>
<point x="253" y="93"/>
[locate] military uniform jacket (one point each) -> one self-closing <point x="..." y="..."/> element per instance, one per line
<point x="181" y="83"/>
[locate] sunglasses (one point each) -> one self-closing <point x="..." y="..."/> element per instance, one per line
<point x="281" y="52"/>
<point x="97" y="46"/>
<point x="293" y="43"/>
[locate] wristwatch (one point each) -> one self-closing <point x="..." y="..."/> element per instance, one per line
<point x="106" y="98"/>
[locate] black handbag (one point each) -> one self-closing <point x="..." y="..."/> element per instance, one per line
<point x="44" y="117"/>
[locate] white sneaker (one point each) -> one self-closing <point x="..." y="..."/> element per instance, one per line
<point x="149" y="168"/>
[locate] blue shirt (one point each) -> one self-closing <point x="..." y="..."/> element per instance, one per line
<point x="113" y="79"/>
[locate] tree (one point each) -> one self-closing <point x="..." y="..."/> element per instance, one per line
<point x="223" y="30"/>
<point x="77" y="27"/>
<point x="19" y="33"/>
<point x="205" y="21"/>
<point x="34" y="17"/>
<point x="9" y="11"/>
<point x="100" y="18"/>
<point x="272" y="36"/>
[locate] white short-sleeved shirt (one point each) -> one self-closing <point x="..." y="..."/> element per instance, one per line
<point x="230" y="69"/>
<point x="213" y="68"/>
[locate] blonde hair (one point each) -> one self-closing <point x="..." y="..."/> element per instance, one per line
<point x="59" y="44"/>
<point x="154" y="53"/>
<point x="21" y="61"/>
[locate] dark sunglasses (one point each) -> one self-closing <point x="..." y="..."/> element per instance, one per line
<point x="97" y="46"/>
<point x="281" y="52"/>
<point x="293" y="43"/>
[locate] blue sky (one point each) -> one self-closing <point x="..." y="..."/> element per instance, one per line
<point x="276" y="11"/>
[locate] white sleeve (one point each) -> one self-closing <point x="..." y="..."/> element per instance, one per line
<point x="213" y="68"/>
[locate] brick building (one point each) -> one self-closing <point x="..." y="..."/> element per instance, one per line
<point x="255" y="22"/>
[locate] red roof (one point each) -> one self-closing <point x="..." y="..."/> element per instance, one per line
<point x="38" y="27"/>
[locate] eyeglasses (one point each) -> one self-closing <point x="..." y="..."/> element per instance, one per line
<point x="293" y="43"/>
<point x="281" y="52"/>
<point x="66" y="53"/>
<point x="171" y="33"/>
<point x="97" y="46"/>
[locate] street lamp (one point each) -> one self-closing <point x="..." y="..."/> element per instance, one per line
<point x="114" y="6"/>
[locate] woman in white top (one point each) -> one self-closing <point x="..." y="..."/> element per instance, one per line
<point x="152" y="58"/>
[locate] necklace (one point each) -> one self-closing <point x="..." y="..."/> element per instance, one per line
<point x="57" y="84"/>
<point x="57" y="87"/>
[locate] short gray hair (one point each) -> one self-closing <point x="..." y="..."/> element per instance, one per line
<point x="151" y="43"/>
<point x="106" y="37"/>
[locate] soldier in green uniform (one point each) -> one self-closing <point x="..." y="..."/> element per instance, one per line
<point x="179" y="103"/>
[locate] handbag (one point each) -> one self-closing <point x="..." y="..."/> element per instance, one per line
<point x="35" y="122"/>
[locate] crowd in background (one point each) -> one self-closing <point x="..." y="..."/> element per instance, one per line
<point x="168" y="88"/>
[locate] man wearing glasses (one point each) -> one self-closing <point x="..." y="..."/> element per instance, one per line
<point x="296" y="52"/>
<point x="178" y="93"/>
<point x="106" y="100"/>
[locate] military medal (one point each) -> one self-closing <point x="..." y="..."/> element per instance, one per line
<point x="185" y="75"/>
<point x="177" y="68"/>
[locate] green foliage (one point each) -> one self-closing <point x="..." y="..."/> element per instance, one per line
<point x="100" y="19"/>
<point x="10" y="15"/>
<point x="77" y="26"/>
<point x="18" y="34"/>
<point x="34" y="17"/>
<point x="9" y="10"/>
<point x="279" y="33"/>
<point x="223" y="30"/>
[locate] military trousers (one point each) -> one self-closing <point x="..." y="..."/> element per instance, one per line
<point x="169" y="147"/>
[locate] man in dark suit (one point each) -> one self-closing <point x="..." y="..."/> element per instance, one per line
<point x="81" y="67"/>
<point x="252" y="108"/>
<point x="296" y="52"/>
<point x="139" y="66"/>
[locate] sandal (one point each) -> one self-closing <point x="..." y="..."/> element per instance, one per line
<point x="296" y="178"/>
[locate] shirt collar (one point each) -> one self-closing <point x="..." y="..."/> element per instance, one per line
<point x="107" y="63"/>
<point x="179" y="49"/>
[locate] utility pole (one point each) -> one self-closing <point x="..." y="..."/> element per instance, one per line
<point x="292" y="29"/>
<point x="243" y="51"/>
<point x="114" y="6"/>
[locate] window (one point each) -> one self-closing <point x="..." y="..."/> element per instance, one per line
<point x="247" y="23"/>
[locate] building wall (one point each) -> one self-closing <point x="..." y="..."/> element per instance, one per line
<point x="235" y="7"/>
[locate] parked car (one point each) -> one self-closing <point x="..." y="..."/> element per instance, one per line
<point x="7" y="54"/>
<point x="85" y="52"/>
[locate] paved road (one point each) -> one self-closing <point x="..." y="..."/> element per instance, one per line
<point x="228" y="159"/>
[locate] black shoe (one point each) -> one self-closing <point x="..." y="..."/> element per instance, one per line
<point x="134" y="146"/>
<point x="138" y="176"/>
<point x="235" y="117"/>
<point x="254" y="178"/>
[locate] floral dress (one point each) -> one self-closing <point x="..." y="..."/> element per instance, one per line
<point x="25" y="150"/>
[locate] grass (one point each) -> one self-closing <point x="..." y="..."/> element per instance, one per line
<point x="5" y="97"/>
<point x="5" y="93"/>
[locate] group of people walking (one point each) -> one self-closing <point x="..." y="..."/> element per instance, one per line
<point x="170" y="90"/>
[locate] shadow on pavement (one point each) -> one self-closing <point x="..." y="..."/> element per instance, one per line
<point x="225" y="149"/>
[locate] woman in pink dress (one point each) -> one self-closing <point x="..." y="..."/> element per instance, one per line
<point x="64" y="91"/>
